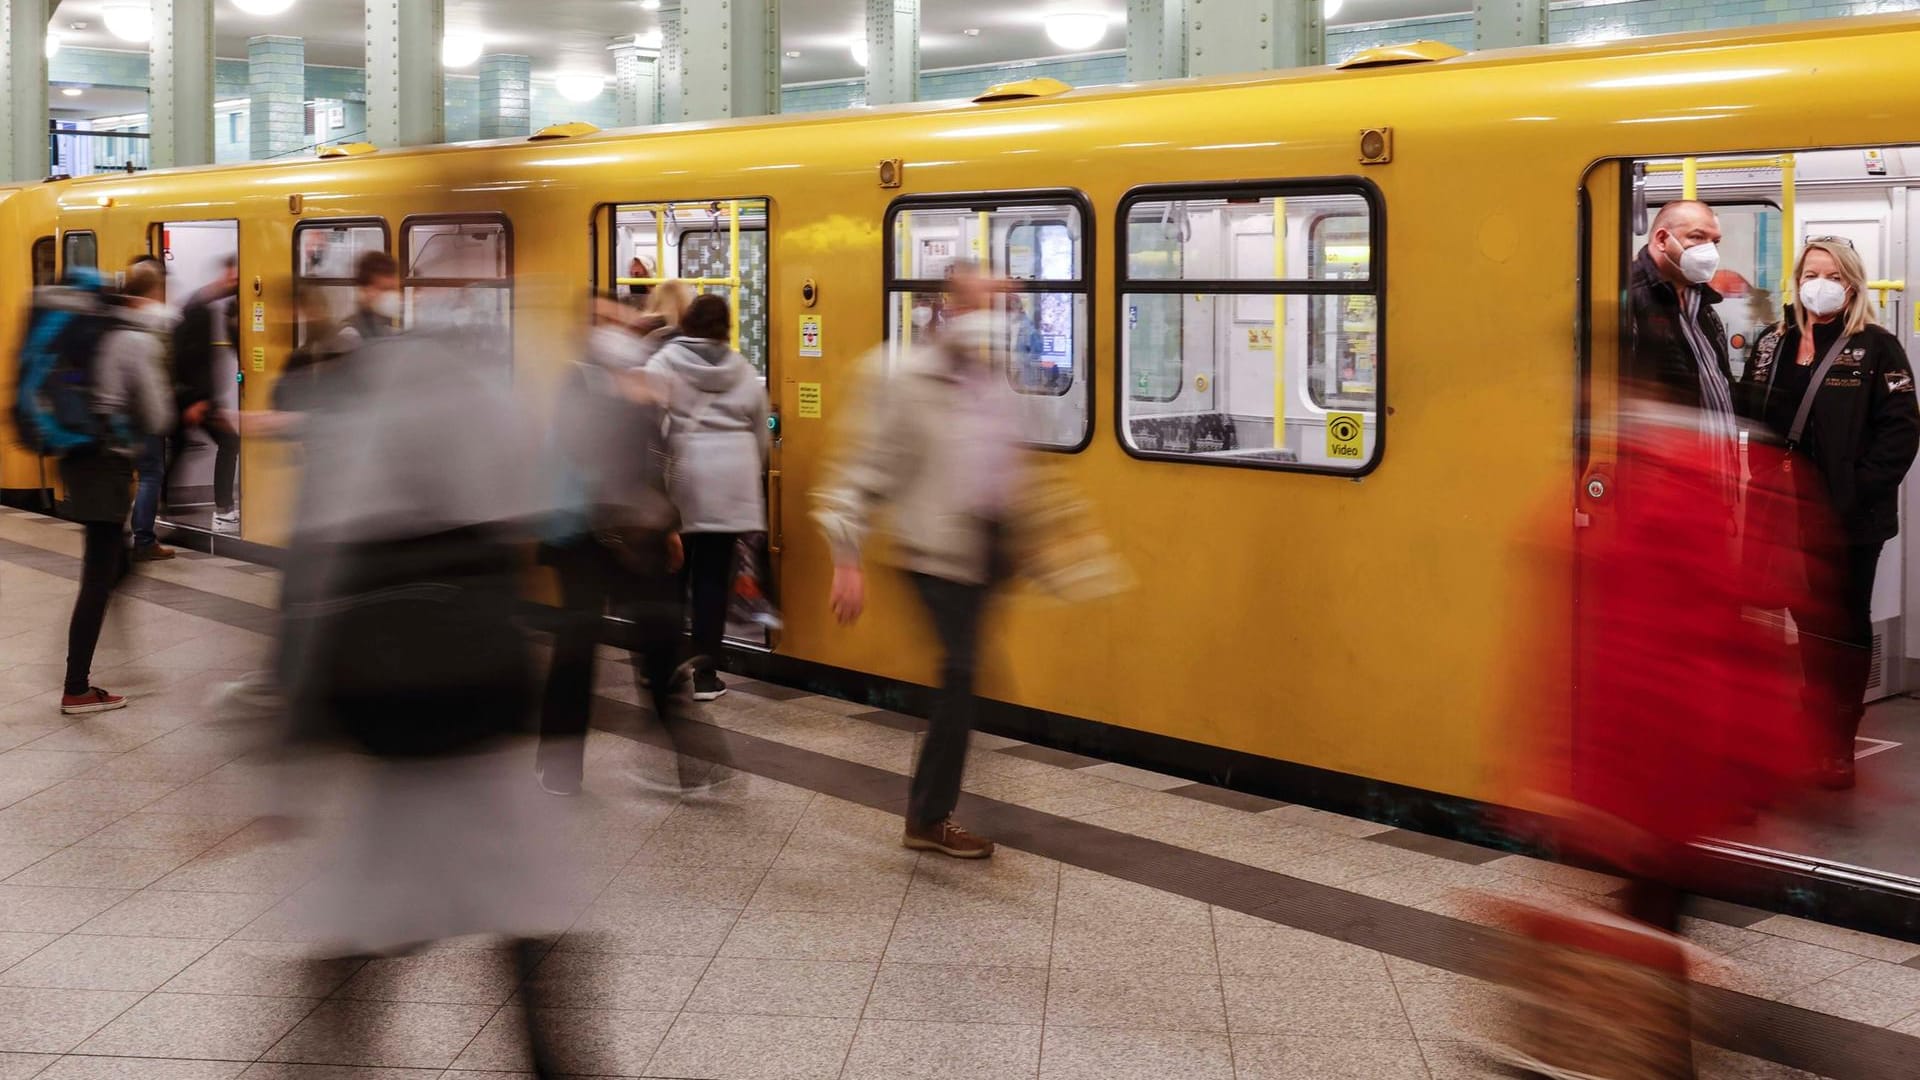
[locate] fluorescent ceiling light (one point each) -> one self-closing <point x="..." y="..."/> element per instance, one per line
<point x="460" y="50"/>
<point x="263" y="7"/>
<point x="129" y="22"/>
<point x="649" y="5"/>
<point x="859" y="49"/>
<point x="53" y="46"/>
<point x="1331" y="8"/>
<point x="72" y="91"/>
<point x="652" y="39"/>
<point x="1075" y="30"/>
<point x="580" y="87"/>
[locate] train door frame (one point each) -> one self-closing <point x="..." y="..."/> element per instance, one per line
<point x="157" y="246"/>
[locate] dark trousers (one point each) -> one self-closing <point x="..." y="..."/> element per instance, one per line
<point x="226" y="460"/>
<point x="152" y="467"/>
<point x="1836" y="643"/>
<point x="709" y="574"/>
<point x="591" y="579"/>
<point x="103" y="564"/>
<point x="957" y="610"/>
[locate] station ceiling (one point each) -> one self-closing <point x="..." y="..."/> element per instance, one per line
<point x="572" y="35"/>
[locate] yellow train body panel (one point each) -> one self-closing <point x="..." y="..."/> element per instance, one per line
<point x="1366" y="626"/>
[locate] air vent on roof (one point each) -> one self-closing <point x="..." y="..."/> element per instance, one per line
<point x="563" y="131"/>
<point x="346" y="150"/>
<point x="1022" y="90"/>
<point x="1417" y="52"/>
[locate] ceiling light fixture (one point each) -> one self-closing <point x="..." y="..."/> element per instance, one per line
<point x="263" y="7"/>
<point x="460" y="50"/>
<point x="129" y="22"/>
<point x="1076" y="30"/>
<point x="53" y="46"/>
<point x="971" y="31"/>
<point x="580" y="87"/>
<point x="652" y="39"/>
<point x="72" y="91"/>
<point x="859" y="50"/>
<point x="649" y="5"/>
<point x="1330" y="8"/>
<point x="793" y="54"/>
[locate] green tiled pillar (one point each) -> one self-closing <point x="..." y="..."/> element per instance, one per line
<point x="23" y="74"/>
<point x="636" y="73"/>
<point x="1156" y="39"/>
<point x="277" y="85"/>
<point x="506" y="96"/>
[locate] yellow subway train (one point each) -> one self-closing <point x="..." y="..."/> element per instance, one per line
<point x="1210" y="284"/>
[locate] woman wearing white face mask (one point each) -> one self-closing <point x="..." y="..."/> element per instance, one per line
<point x="1838" y="391"/>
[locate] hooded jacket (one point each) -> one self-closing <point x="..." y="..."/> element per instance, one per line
<point x="611" y="444"/>
<point x="717" y="434"/>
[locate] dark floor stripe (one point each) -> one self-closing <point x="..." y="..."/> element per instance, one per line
<point x="182" y="598"/>
<point x="1439" y="846"/>
<point x="912" y="725"/>
<point x="1795" y="1037"/>
<point x="1047" y="755"/>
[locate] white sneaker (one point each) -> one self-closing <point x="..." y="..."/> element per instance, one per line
<point x="227" y="524"/>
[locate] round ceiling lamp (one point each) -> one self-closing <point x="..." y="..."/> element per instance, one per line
<point x="129" y="22"/>
<point x="1331" y="8"/>
<point x="263" y="7"/>
<point x="580" y="88"/>
<point x="53" y="46"/>
<point x="649" y="5"/>
<point x="72" y="91"/>
<point x="461" y="50"/>
<point x="859" y="50"/>
<point x="1077" y="30"/>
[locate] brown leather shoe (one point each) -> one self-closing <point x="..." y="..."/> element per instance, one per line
<point x="948" y="839"/>
<point x="152" y="553"/>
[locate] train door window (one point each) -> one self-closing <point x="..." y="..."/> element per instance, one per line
<point x="1035" y="246"/>
<point x="457" y="275"/>
<point x="44" y="271"/>
<point x="326" y="255"/>
<point x="1250" y="330"/>
<point x="80" y="249"/>
<point x="718" y="246"/>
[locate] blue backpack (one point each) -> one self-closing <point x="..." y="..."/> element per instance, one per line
<point x="53" y="403"/>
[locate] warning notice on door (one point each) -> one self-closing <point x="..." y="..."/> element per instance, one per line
<point x="1346" y="434"/>
<point x="810" y="336"/>
<point x="259" y="318"/>
<point x="809" y="401"/>
<point x="259" y="359"/>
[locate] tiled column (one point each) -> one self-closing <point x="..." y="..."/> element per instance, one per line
<point x="181" y="94"/>
<point x="506" y="96"/>
<point x="277" y="85"/>
<point x="1156" y="40"/>
<point x="636" y="73"/>
<point x="23" y="42"/>
<point x="406" y="83"/>
<point x="893" y="51"/>
<point x="1230" y="37"/>
<point x="1501" y="24"/>
<point x="730" y="58"/>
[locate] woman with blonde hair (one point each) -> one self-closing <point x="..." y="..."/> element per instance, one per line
<point x="1837" y="391"/>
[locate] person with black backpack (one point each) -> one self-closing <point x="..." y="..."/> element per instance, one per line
<point x="128" y="401"/>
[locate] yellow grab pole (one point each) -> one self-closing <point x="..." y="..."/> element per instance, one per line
<point x="733" y="271"/>
<point x="659" y="242"/>
<point x="1689" y="178"/>
<point x="1280" y="326"/>
<point x="1789" y="229"/>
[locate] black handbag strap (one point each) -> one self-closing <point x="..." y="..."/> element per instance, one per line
<point x="1813" y="387"/>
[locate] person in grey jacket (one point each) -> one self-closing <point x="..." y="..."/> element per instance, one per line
<point x="936" y="443"/>
<point x="130" y="390"/>
<point x="717" y="432"/>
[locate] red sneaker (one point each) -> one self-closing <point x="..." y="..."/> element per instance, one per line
<point x="93" y="701"/>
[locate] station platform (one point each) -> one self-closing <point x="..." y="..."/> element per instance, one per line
<point x="1132" y="925"/>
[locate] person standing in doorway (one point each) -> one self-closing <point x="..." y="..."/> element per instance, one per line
<point x="151" y="465"/>
<point x="130" y="403"/>
<point x="937" y="442"/>
<point x="207" y="324"/>
<point x="717" y="434"/>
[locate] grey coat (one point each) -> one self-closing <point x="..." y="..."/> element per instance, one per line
<point x="717" y="433"/>
<point x="130" y="386"/>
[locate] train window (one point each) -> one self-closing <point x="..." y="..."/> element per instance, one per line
<point x="718" y="246"/>
<point x="1035" y="244"/>
<point x="457" y="274"/>
<point x="1250" y="325"/>
<point x="44" y="271"/>
<point x="81" y="249"/>
<point x="326" y="254"/>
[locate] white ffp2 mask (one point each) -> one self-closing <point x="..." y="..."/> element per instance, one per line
<point x="387" y="305"/>
<point x="1823" y="296"/>
<point x="1700" y="262"/>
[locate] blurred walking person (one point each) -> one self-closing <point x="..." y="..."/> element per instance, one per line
<point x="717" y="432"/>
<point x="613" y="541"/>
<point x="130" y="404"/>
<point x="151" y="464"/>
<point x="209" y="322"/>
<point x="938" y="444"/>
<point x="1837" y="393"/>
<point x="419" y="496"/>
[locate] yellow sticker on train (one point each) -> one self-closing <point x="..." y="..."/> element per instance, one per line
<point x="1346" y="436"/>
<point x="259" y="358"/>
<point x="809" y="401"/>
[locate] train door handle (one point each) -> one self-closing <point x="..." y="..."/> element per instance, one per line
<point x="1596" y="488"/>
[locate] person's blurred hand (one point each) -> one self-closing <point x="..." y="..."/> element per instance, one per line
<point x="849" y="596"/>
<point x="196" y="413"/>
<point x="676" y="552"/>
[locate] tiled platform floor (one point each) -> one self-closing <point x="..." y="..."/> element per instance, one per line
<point x="148" y="929"/>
